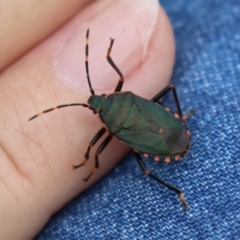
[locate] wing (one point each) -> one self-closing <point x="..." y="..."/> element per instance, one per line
<point x="151" y="129"/>
<point x="144" y="141"/>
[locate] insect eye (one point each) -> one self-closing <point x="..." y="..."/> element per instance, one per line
<point x="104" y="95"/>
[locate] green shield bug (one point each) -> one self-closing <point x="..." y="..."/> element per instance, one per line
<point x="144" y="125"/>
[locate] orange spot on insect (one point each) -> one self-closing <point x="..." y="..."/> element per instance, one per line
<point x="135" y="150"/>
<point x="167" y="109"/>
<point x="160" y="130"/>
<point x="177" y="157"/>
<point x="188" y="133"/>
<point x="167" y="159"/>
<point x="176" y="115"/>
<point x="145" y="155"/>
<point x="157" y="158"/>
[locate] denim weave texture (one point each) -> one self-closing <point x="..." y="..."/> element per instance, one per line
<point x="126" y="204"/>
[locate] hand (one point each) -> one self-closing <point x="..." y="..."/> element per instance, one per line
<point x="36" y="172"/>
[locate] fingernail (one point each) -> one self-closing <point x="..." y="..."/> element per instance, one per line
<point x="130" y="23"/>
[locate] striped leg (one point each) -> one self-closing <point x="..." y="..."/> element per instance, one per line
<point x="98" y="135"/>
<point x="164" y="92"/>
<point x="146" y="171"/>
<point x="109" y="59"/>
<point x="98" y="152"/>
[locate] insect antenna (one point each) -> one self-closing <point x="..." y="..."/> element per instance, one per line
<point x="86" y="63"/>
<point x="59" y="106"/>
<point x="89" y="83"/>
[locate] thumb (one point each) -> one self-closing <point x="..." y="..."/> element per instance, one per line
<point x="39" y="154"/>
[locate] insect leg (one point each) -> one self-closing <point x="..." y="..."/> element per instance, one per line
<point x="164" y="92"/>
<point x="146" y="171"/>
<point x="98" y="152"/>
<point x="98" y="135"/>
<point x="109" y="59"/>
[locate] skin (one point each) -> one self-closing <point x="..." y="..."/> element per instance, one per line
<point x="36" y="157"/>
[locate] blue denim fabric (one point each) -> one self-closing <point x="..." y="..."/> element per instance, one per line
<point x="126" y="204"/>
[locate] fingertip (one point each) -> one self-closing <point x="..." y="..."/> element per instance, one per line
<point x="130" y="24"/>
<point x="155" y="71"/>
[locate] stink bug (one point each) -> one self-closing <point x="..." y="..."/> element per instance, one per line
<point x="147" y="127"/>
